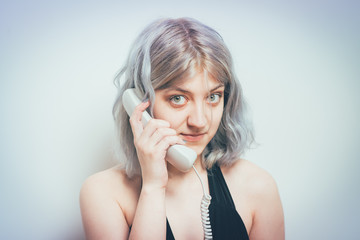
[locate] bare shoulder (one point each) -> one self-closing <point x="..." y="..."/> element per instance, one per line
<point x="107" y="180"/>
<point x="255" y="190"/>
<point x="110" y="185"/>
<point x="249" y="175"/>
<point x="107" y="184"/>
<point x="107" y="202"/>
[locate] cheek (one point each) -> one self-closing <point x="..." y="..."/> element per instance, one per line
<point x="175" y="119"/>
<point x="216" y="119"/>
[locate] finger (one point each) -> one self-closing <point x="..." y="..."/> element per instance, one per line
<point x="135" y="119"/>
<point x="168" y="141"/>
<point x="153" y="125"/>
<point x="139" y="109"/>
<point x="160" y="133"/>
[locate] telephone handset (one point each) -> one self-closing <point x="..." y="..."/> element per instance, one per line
<point x="179" y="156"/>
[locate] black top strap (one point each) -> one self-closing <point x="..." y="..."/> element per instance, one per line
<point x="226" y="222"/>
<point x="219" y="190"/>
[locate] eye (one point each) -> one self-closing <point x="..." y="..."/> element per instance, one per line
<point x="214" y="98"/>
<point x="178" y="100"/>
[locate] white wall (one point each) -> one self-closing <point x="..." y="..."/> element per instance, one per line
<point x="298" y="63"/>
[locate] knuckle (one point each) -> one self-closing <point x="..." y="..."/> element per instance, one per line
<point x="161" y="131"/>
<point x="152" y="122"/>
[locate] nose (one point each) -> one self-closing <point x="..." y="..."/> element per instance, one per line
<point x="197" y="117"/>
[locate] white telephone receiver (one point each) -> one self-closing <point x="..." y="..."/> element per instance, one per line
<point x="179" y="156"/>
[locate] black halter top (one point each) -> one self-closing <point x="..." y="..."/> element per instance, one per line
<point x="226" y="222"/>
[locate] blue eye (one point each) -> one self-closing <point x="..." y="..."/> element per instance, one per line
<point x="178" y="100"/>
<point x="214" y="98"/>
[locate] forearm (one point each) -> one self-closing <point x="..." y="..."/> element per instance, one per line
<point x="150" y="217"/>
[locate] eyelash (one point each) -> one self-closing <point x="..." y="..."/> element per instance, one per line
<point x="176" y="96"/>
<point x="219" y="95"/>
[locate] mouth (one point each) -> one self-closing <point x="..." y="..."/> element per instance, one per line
<point x="192" y="137"/>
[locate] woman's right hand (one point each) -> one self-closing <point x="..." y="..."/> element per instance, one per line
<point x="151" y="143"/>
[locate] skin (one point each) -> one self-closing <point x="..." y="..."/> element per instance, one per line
<point x="110" y="202"/>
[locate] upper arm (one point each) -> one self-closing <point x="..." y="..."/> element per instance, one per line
<point x="268" y="219"/>
<point x="102" y="216"/>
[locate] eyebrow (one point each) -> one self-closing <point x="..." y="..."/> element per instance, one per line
<point x="177" y="88"/>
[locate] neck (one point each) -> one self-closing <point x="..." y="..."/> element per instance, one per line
<point x="180" y="182"/>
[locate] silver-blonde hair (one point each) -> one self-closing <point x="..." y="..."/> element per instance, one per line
<point x="170" y="50"/>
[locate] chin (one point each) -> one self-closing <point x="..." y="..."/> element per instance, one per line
<point x="198" y="149"/>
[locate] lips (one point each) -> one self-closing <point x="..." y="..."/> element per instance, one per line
<point x="192" y="137"/>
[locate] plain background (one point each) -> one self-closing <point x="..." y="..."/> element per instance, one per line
<point x="298" y="62"/>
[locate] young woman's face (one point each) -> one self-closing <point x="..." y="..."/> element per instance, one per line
<point x="193" y="108"/>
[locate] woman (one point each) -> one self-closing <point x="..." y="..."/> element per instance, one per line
<point x="185" y="73"/>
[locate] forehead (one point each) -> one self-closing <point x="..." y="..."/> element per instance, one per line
<point x="202" y="80"/>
